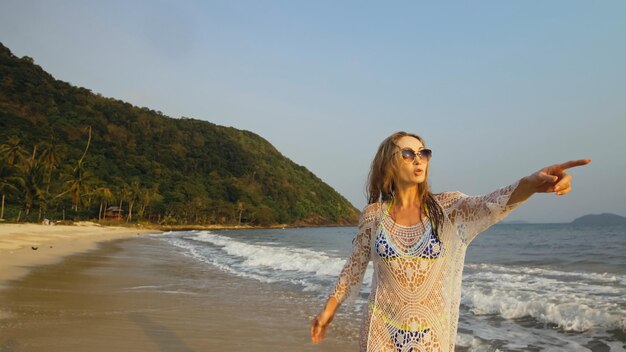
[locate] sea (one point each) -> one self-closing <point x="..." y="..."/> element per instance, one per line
<point x="526" y="287"/>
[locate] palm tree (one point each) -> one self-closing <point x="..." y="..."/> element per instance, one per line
<point x="8" y="182"/>
<point x="33" y="180"/>
<point x="77" y="182"/>
<point x="123" y="192"/>
<point x="105" y="195"/>
<point x="12" y="151"/>
<point x="44" y="197"/>
<point x="148" y="195"/>
<point x="134" y="194"/>
<point x="50" y="157"/>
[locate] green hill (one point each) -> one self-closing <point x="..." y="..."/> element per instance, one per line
<point x="161" y="169"/>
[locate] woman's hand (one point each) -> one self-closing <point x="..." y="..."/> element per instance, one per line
<point x="554" y="178"/>
<point x="551" y="179"/>
<point x="319" y="325"/>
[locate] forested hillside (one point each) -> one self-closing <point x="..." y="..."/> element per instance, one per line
<point x="67" y="152"/>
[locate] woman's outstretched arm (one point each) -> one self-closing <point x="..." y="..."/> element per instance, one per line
<point x="551" y="179"/>
<point x="474" y="214"/>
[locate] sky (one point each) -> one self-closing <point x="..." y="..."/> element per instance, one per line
<point x="498" y="89"/>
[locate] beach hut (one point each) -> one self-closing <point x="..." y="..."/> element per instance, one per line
<point x="114" y="213"/>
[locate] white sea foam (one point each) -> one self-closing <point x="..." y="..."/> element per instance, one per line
<point x="146" y="287"/>
<point x="590" y="301"/>
<point x="264" y="261"/>
<point x="570" y="316"/>
<point x="194" y="252"/>
<point x="276" y="258"/>
<point x="600" y="277"/>
<point x="474" y="344"/>
<point x="480" y="335"/>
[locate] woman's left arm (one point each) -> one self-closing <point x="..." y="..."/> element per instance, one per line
<point x="551" y="179"/>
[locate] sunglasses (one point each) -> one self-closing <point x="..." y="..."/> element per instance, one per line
<point x="409" y="154"/>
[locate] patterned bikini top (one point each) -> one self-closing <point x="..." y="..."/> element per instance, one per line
<point x="406" y="241"/>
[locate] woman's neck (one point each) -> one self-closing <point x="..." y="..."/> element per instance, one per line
<point x="407" y="198"/>
<point x="406" y="206"/>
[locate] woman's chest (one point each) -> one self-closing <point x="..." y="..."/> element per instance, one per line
<point x="407" y="258"/>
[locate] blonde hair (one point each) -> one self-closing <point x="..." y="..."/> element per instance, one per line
<point x="383" y="173"/>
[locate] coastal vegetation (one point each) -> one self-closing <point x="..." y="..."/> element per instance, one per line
<point x="68" y="153"/>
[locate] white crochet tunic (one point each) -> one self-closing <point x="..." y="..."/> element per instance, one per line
<point x="416" y="287"/>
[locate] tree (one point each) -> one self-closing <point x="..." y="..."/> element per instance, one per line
<point x="33" y="180"/>
<point x="12" y="151"/>
<point x="77" y="183"/>
<point x="44" y="197"/>
<point x="104" y="195"/>
<point x="123" y="192"/>
<point x="51" y="155"/>
<point x="134" y="195"/>
<point x="8" y="182"/>
<point x="50" y="158"/>
<point x="78" y="180"/>
<point x="240" y="208"/>
<point x="148" y="196"/>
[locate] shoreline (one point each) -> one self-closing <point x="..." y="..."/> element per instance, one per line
<point x="140" y="294"/>
<point x="25" y="246"/>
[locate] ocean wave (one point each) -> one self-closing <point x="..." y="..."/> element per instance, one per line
<point x="275" y="258"/>
<point x="481" y="335"/>
<point x="570" y="311"/>
<point x="588" y="276"/>
<point x="263" y="261"/>
<point x="195" y="252"/>
<point x="573" y="301"/>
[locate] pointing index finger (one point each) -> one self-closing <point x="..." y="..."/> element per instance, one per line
<point x="574" y="163"/>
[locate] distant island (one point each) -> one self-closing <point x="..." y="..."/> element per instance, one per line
<point x="600" y="219"/>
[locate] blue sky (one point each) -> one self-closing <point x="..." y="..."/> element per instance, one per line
<point x="498" y="89"/>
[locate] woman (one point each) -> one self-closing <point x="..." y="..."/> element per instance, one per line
<point x="417" y="242"/>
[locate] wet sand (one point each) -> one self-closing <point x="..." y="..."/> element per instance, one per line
<point x="140" y="295"/>
<point x="23" y="246"/>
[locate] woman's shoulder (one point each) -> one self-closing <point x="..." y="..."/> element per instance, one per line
<point x="447" y="199"/>
<point x="372" y="207"/>
<point x="369" y="213"/>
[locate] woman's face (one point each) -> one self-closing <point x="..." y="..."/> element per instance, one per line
<point x="410" y="172"/>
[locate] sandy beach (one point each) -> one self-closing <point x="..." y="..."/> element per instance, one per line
<point x="106" y="288"/>
<point x="24" y="246"/>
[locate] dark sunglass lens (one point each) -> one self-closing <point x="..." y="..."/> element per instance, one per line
<point x="408" y="154"/>
<point x="426" y="153"/>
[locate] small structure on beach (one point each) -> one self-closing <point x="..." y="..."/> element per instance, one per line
<point x="113" y="213"/>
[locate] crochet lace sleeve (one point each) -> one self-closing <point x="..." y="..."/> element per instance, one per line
<point x="351" y="277"/>
<point x="474" y="214"/>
